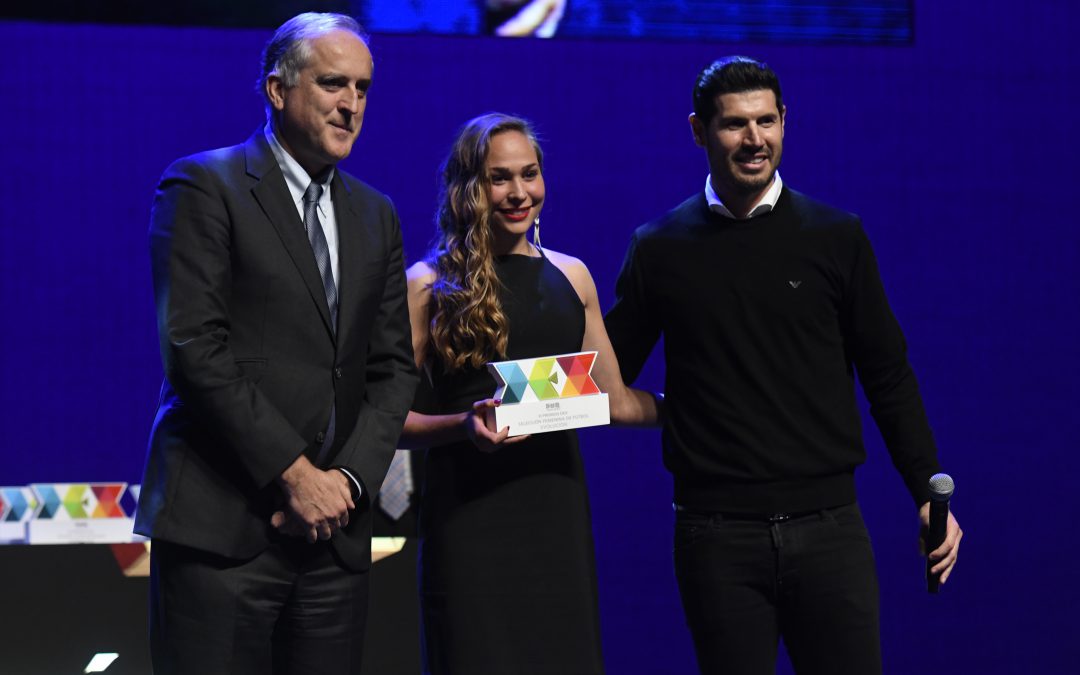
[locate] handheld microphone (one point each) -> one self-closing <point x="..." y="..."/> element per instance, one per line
<point x="941" y="490"/>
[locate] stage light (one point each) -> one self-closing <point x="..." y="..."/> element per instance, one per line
<point x="100" y="662"/>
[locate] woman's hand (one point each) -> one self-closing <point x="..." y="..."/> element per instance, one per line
<point x="480" y="427"/>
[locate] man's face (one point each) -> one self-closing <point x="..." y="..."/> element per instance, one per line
<point x="743" y="141"/>
<point x="318" y="120"/>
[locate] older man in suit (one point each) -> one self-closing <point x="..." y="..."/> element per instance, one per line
<point x="288" y="373"/>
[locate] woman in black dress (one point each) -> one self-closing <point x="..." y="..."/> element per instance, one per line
<point x="507" y="575"/>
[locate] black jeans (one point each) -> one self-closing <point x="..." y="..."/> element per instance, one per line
<point x="809" y="580"/>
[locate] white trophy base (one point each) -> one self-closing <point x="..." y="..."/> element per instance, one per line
<point x="13" y="533"/>
<point x="82" y="531"/>
<point x="535" y="417"/>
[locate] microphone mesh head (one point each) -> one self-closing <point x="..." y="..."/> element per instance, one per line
<point x="941" y="487"/>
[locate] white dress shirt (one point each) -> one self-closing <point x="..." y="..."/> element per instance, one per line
<point x="764" y="205"/>
<point x="298" y="181"/>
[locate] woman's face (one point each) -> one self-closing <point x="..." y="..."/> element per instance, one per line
<point x="516" y="186"/>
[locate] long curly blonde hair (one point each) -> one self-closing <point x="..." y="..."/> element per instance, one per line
<point x="468" y="326"/>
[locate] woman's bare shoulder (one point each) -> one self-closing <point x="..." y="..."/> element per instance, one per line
<point x="420" y="275"/>
<point x="576" y="272"/>
<point x="567" y="263"/>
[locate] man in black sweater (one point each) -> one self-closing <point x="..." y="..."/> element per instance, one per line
<point x="769" y="303"/>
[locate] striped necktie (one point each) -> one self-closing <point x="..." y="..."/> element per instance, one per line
<point x="398" y="485"/>
<point x="317" y="237"/>
<point x="321" y="249"/>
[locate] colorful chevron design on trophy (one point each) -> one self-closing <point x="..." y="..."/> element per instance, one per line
<point x="20" y="504"/>
<point x="74" y="501"/>
<point x="543" y="379"/>
<point x="129" y="499"/>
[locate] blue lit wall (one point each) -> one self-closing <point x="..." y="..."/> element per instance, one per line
<point x="956" y="150"/>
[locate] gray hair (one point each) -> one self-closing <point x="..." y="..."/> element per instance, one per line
<point x="288" y="51"/>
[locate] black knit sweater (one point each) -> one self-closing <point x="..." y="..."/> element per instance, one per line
<point x="765" y="323"/>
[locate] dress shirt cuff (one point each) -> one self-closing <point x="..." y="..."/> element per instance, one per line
<point x="357" y="489"/>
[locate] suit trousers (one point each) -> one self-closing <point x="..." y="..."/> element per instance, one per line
<point x="291" y="610"/>
<point x="810" y="580"/>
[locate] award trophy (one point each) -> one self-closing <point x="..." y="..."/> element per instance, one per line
<point x="548" y="393"/>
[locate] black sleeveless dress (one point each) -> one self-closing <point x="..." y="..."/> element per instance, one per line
<point x="507" y="574"/>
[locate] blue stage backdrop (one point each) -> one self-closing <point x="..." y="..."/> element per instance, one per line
<point x="956" y="149"/>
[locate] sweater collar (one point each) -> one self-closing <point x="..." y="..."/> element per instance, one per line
<point x="766" y="204"/>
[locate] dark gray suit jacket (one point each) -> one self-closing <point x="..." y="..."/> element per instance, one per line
<point x="252" y="365"/>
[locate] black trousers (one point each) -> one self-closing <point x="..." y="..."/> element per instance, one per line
<point x="810" y="580"/>
<point x="292" y="609"/>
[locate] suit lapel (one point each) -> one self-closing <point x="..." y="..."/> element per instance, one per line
<point x="274" y="198"/>
<point x="351" y="250"/>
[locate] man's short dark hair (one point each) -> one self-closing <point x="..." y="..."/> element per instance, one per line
<point x="732" y="75"/>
